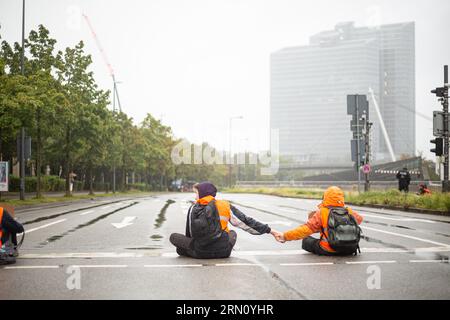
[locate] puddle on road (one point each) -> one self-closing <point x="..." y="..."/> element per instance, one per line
<point x="146" y="248"/>
<point x="161" y="218"/>
<point x="387" y="244"/>
<point x="83" y="225"/>
<point x="156" y="237"/>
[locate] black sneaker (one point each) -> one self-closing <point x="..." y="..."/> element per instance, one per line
<point x="5" y="258"/>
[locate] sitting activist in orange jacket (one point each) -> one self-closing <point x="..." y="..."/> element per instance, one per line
<point x="338" y="236"/>
<point x="208" y="235"/>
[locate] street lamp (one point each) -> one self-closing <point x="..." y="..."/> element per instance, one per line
<point x="229" y="164"/>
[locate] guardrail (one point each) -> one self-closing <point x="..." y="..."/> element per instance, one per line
<point x="352" y="185"/>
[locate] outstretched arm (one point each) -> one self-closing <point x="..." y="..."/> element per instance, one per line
<point x="240" y="220"/>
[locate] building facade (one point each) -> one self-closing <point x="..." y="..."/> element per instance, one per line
<point x="309" y="86"/>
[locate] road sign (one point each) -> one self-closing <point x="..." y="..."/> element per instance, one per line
<point x="438" y="123"/>
<point x="355" y="151"/>
<point x="366" y="168"/>
<point x="4" y="176"/>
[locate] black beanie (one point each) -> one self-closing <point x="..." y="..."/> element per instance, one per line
<point x="206" y="189"/>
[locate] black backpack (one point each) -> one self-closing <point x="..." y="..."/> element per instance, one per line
<point x="205" y="224"/>
<point x="343" y="231"/>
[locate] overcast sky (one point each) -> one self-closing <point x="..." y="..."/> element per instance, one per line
<point x="195" y="63"/>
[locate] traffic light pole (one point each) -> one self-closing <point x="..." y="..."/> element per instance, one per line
<point x="358" y="151"/>
<point x="445" y="183"/>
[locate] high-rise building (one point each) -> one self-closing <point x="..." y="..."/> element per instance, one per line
<point x="309" y="86"/>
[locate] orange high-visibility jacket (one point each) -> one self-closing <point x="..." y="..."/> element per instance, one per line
<point x="333" y="197"/>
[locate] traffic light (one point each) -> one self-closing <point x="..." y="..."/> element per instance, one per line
<point x="439" y="92"/>
<point x="438" y="150"/>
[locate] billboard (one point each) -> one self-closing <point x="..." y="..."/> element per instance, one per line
<point x="4" y="176"/>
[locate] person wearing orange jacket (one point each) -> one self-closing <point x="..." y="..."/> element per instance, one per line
<point x="317" y="223"/>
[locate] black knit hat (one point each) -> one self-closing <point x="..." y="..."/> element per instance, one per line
<point x="205" y="188"/>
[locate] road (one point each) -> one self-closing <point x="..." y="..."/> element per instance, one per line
<point x="118" y="248"/>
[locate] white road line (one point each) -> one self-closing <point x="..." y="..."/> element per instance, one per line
<point x="172" y="265"/>
<point x="32" y="267"/>
<point x="287" y="210"/>
<point x="268" y="252"/>
<point x="45" y="226"/>
<point x="87" y="212"/>
<point x="397" y="219"/>
<point x="429" y="261"/>
<point x="81" y="255"/>
<point x="236" y="265"/>
<point x="106" y="207"/>
<point x="100" y="266"/>
<point x="370" y="262"/>
<point x="307" y="264"/>
<point x="406" y="236"/>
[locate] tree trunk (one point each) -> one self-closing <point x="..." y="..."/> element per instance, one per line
<point x="91" y="186"/>
<point x="38" y="154"/>
<point x="68" y="166"/>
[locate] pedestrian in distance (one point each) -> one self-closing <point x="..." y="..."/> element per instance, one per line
<point x="9" y="228"/>
<point x="208" y="235"/>
<point x="337" y="224"/>
<point x="404" y="179"/>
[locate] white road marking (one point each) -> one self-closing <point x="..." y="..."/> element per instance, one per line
<point x="287" y="210"/>
<point x="406" y="236"/>
<point x="45" y="226"/>
<point x="100" y="266"/>
<point x="236" y="265"/>
<point x="398" y="219"/>
<point x="106" y="207"/>
<point x="283" y="223"/>
<point x="429" y="261"/>
<point x="370" y="262"/>
<point x="87" y="212"/>
<point x="127" y="221"/>
<point x="172" y="265"/>
<point x="81" y="255"/>
<point x="32" y="267"/>
<point x="307" y="264"/>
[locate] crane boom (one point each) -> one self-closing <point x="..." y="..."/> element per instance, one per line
<point x="105" y="59"/>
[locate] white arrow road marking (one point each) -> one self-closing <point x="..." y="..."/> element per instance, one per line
<point x="45" y="225"/>
<point x="127" y="221"/>
<point x="283" y="223"/>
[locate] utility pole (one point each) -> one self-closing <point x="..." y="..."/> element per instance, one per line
<point x="358" y="145"/>
<point x="366" y="133"/>
<point x="441" y="130"/>
<point x="22" y="130"/>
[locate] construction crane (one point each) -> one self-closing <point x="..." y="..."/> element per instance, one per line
<point x="382" y="125"/>
<point x="108" y="65"/>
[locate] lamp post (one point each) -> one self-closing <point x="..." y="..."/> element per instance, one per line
<point x="229" y="164"/>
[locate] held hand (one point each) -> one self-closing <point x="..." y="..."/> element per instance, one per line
<point x="279" y="236"/>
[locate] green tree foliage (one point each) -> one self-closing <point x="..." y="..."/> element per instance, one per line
<point x="64" y="111"/>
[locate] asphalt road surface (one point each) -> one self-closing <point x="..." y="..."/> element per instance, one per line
<point x="118" y="248"/>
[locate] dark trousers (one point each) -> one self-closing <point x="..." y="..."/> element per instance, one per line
<point x="185" y="247"/>
<point x="312" y="245"/>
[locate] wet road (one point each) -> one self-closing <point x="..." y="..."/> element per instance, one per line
<point x="118" y="248"/>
